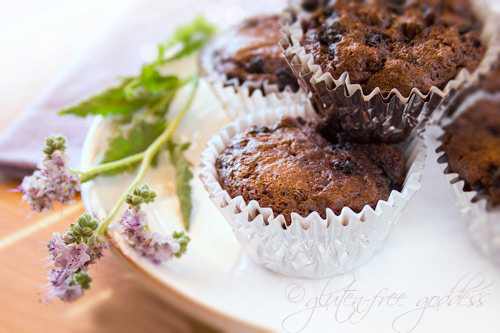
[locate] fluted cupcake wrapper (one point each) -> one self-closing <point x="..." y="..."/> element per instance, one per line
<point x="242" y="99"/>
<point x="482" y="223"/>
<point x="311" y="246"/>
<point x="372" y="117"/>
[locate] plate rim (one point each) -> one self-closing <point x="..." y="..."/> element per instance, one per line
<point x="203" y="311"/>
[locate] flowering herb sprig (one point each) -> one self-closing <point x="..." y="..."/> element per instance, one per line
<point x="52" y="181"/>
<point x="153" y="246"/>
<point x="71" y="254"/>
<point x="139" y="104"/>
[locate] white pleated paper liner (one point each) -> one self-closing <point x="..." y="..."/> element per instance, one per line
<point x="311" y="246"/>
<point x="242" y="99"/>
<point x="482" y="223"/>
<point x="373" y="117"/>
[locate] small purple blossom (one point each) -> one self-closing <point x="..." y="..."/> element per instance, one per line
<point x="63" y="286"/>
<point x="166" y="246"/>
<point x="134" y="219"/>
<point x="56" y="245"/>
<point x="96" y="251"/>
<point x="68" y="292"/>
<point x="155" y="247"/>
<point x="58" y="276"/>
<point x="53" y="180"/>
<point x="71" y="254"/>
<point x="35" y="194"/>
<point x="72" y="257"/>
<point x="152" y="246"/>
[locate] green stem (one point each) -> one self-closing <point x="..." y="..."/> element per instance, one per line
<point x="148" y="157"/>
<point x="102" y="168"/>
<point x="85" y="176"/>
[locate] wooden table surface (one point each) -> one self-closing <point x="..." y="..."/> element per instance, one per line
<point x="115" y="303"/>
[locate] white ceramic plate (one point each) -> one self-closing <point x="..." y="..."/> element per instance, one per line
<point x="426" y="255"/>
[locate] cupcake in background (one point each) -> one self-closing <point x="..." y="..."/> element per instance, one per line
<point x="246" y="68"/>
<point x="487" y="83"/>
<point x="301" y="205"/>
<point x="470" y="147"/>
<point x="377" y="68"/>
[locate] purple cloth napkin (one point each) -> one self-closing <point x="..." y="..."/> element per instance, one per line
<point x="117" y="54"/>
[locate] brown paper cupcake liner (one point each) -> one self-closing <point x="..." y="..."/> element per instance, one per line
<point x="373" y="117"/>
<point x="482" y="222"/>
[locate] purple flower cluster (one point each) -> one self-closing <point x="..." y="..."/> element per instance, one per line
<point x="153" y="246"/>
<point x="149" y="245"/>
<point x="70" y="255"/>
<point x="53" y="180"/>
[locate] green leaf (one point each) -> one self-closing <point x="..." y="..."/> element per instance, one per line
<point x="161" y="107"/>
<point x="136" y="140"/>
<point x="188" y="39"/>
<point x="183" y="176"/>
<point x="150" y="86"/>
<point x="110" y="101"/>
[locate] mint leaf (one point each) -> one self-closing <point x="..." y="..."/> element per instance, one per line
<point x="186" y="40"/>
<point x="150" y="85"/>
<point x="148" y="88"/>
<point x="110" y="101"/>
<point x="131" y="95"/>
<point x="183" y="176"/>
<point x="134" y="141"/>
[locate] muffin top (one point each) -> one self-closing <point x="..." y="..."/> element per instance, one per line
<point x="395" y="44"/>
<point x="472" y="145"/>
<point x="292" y="168"/>
<point x="252" y="55"/>
<point x="491" y="81"/>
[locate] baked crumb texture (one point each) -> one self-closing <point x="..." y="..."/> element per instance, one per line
<point x="472" y="147"/>
<point x="253" y="56"/>
<point x="395" y="44"/>
<point x="292" y="168"/>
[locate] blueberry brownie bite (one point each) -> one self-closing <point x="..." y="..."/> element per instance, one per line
<point x="472" y="147"/>
<point x="249" y="55"/>
<point x="291" y="168"/>
<point x="395" y="44"/>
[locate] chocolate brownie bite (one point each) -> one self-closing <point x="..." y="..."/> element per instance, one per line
<point x="291" y="168"/>
<point x="472" y="146"/>
<point x="395" y="44"/>
<point x="251" y="56"/>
